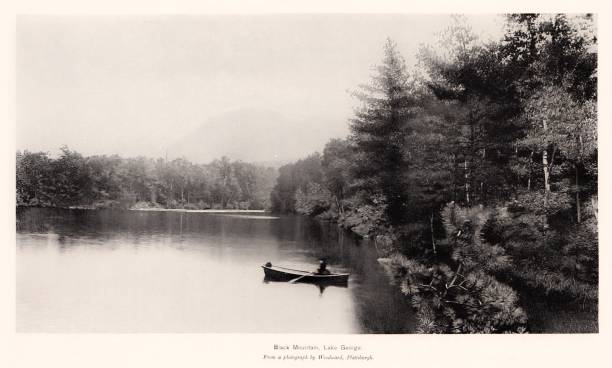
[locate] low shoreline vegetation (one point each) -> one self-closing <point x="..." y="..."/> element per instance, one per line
<point x="74" y="181"/>
<point x="475" y="174"/>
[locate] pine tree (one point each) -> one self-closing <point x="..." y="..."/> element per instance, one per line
<point x="467" y="74"/>
<point x="379" y="132"/>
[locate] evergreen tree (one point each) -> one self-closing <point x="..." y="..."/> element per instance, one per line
<point x="379" y="132"/>
<point x="468" y="74"/>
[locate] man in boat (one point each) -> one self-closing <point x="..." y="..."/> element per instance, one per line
<point x="322" y="270"/>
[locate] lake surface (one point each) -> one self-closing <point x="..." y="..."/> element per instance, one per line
<point x="131" y="271"/>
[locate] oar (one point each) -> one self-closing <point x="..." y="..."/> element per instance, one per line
<point x="299" y="278"/>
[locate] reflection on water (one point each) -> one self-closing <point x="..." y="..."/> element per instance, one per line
<point x="320" y="285"/>
<point x="125" y="271"/>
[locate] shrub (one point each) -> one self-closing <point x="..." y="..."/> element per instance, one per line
<point x="191" y="206"/>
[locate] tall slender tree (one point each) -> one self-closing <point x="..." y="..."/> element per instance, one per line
<point x="379" y="132"/>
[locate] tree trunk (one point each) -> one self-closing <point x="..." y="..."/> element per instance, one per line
<point x="546" y="171"/>
<point x="516" y="160"/>
<point x="153" y="195"/>
<point x="530" y="170"/>
<point x="455" y="166"/>
<point x="578" y="214"/>
<point x="433" y="240"/>
<point x="545" y="161"/>
<point x="467" y="182"/>
<point x="339" y="205"/>
<point x="482" y="199"/>
<point x="546" y="184"/>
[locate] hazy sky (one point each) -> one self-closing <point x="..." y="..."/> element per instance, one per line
<point x="133" y="85"/>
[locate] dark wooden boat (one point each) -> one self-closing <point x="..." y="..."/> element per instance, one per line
<point x="277" y="273"/>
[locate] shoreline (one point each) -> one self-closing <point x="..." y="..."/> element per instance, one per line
<point x="92" y="208"/>
<point x="203" y="211"/>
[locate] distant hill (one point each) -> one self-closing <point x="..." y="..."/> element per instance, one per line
<point x="257" y="136"/>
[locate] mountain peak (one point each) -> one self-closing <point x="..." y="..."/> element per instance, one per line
<point x="255" y="134"/>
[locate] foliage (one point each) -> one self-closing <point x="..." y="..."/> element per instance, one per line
<point x="379" y="130"/>
<point x="98" y="181"/>
<point x="312" y="201"/>
<point x="292" y="177"/>
<point x="476" y="172"/>
<point x="464" y="229"/>
<point x="365" y="219"/>
<point x="456" y="301"/>
<point x="556" y="261"/>
<point x="337" y="165"/>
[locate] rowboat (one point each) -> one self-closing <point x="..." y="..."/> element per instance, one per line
<point x="277" y="273"/>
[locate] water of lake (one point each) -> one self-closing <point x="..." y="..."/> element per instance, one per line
<point x="129" y="271"/>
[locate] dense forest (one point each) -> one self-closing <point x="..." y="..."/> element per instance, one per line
<point x="475" y="173"/>
<point x="114" y="182"/>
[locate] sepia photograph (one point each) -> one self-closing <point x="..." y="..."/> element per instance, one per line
<point x="307" y="174"/>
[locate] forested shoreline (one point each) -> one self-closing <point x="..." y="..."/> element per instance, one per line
<point x="475" y="173"/>
<point x="72" y="180"/>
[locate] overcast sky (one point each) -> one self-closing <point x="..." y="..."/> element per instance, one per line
<point x="133" y="85"/>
